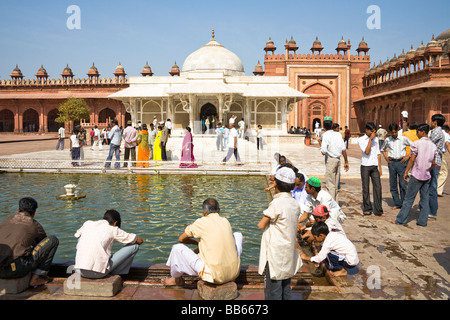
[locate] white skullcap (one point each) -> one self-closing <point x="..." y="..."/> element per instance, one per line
<point x="285" y="175"/>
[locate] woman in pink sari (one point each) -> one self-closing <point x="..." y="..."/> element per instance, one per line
<point x="187" y="152"/>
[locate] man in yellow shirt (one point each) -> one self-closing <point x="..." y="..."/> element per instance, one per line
<point x="411" y="134"/>
<point x="218" y="260"/>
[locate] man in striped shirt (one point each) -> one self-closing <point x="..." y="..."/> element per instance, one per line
<point x="397" y="161"/>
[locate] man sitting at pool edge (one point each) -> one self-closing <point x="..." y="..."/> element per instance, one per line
<point x="218" y="260"/>
<point x="25" y="247"/>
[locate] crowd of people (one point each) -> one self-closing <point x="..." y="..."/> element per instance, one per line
<point x="301" y="211"/>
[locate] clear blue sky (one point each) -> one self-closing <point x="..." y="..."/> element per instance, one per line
<point x="35" y="32"/>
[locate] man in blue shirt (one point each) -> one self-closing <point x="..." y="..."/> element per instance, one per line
<point x="115" y="136"/>
<point x="299" y="192"/>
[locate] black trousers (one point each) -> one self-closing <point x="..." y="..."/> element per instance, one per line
<point x="163" y="152"/>
<point x="39" y="261"/>
<point x="371" y="173"/>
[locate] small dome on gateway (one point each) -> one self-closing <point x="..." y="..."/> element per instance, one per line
<point x="42" y="72"/>
<point x="120" y="71"/>
<point x="93" y="71"/>
<point x="16" y="73"/>
<point x="67" y="72"/>
<point x="213" y="57"/>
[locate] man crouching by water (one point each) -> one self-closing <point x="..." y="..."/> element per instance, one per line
<point x="24" y="245"/>
<point x="218" y="260"/>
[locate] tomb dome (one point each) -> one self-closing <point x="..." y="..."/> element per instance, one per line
<point x="213" y="57"/>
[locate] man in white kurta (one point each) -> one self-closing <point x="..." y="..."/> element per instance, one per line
<point x="279" y="240"/>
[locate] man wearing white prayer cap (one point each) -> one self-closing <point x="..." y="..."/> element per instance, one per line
<point x="278" y="255"/>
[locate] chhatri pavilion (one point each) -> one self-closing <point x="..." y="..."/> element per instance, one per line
<point x="212" y="84"/>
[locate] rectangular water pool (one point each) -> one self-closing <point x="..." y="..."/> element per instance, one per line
<point x="157" y="208"/>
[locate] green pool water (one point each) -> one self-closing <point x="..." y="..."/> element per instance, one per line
<point x="157" y="208"/>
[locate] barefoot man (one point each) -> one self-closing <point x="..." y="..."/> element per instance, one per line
<point x="219" y="249"/>
<point x="24" y="246"/>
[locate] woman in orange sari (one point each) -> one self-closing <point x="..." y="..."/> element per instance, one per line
<point x="143" y="148"/>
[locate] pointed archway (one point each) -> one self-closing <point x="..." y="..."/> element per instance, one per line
<point x="208" y="117"/>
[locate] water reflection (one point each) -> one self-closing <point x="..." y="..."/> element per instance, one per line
<point x="157" y="208"/>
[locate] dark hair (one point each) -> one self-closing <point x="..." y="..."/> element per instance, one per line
<point x="413" y="125"/>
<point x="211" y="205"/>
<point x="327" y="124"/>
<point x="393" y="126"/>
<point x="28" y="205"/>
<point x="159" y="127"/>
<point x="315" y="188"/>
<point x="144" y="126"/>
<point x="319" y="228"/>
<point x="112" y="216"/>
<point x="370" y="126"/>
<point x="335" y="125"/>
<point x="279" y="158"/>
<point x="283" y="186"/>
<point x="300" y="176"/>
<point x="439" y="118"/>
<point x="423" y="127"/>
<point x="445" y="127"/>
<point x="188" y="129"/>
<point x="288" y="165"/>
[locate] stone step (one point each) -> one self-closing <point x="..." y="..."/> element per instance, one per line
<point x="76" y="285"/>
<point x="14" y="286"/>
<point x="209" y="291"/>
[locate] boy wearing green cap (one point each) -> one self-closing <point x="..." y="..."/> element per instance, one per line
<point x="316" y="196"/>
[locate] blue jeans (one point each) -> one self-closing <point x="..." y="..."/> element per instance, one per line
<point x="414" y="186"/>
<point x="113" y="149"/>
<point x="119" y="263"/>
<point x="396" y="182"/>
<point x="60" y="143"/>
<point x="276" y="289"/>
<point x="433" y="192"/>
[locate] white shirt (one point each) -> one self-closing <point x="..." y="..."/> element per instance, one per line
<point x="332" y="144"/>
<point x="327" y="200"/>
<point x="62" y="132"/>
<point x="259" y="133"/>
<point x="75" y="141"/>
<point x="241" y="124"/>
<point x="232" y="120"/>
<point x="279" y="239"/>
<point x="226" y="132"/>
<point x="169" y="125"/>
<point x="95" y="242"/>
<point x="233" y="133"/>
<point x="340" y="245"/>
<point x="372" y="158"/>
<point x="96" y="132"/>
<point x="447" y="139"/>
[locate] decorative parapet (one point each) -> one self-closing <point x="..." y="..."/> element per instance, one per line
<point x="62" y="82"/>
<point x="309" y="56"/>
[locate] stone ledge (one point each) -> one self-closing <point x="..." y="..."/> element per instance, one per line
<point x="105" y="287"/>
<point x="209" y="291"/>
<point x="14" y="286"/>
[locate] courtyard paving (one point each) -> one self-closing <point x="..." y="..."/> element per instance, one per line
<point x="396" y="262"/>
